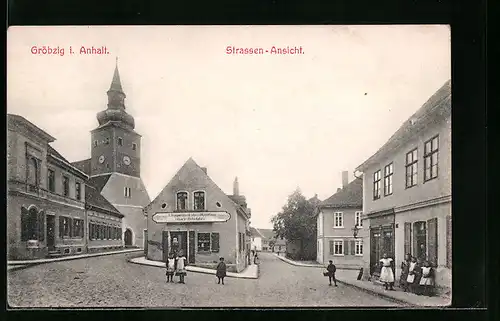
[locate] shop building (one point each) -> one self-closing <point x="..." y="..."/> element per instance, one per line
<point x="46" y="196"/>
<point x="194" y="215"/>
<point x="407" y="191"/>
<point x="340" y="228"/>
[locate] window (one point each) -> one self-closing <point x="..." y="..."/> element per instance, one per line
<point x="32" y="224"/>
<point x="66" y="186"/>
<point x="420" y="240"/>
<point x="358" y="247"/>
<point x="357" y="219"/>
<point x="95" y="143"/>
<point x="77" y="229"/>
<point x="199" y="200"/>
<point x="127" y="192"/>
<point x="338" y="247"/>
<point x="78" y="190"/>
<point x="120" y="141"/>
<point x="51" y="180"/>
<point x="182" y="200"/>
<point x="134" y="146"/>
<point x="431" y="159"/>
<point x="203" y="242"/>
<point x="376" y="185"/>
<point x="215" y="242"/>
<point x="411" y="168"/>
<point x="338" y="219"/>
<point x="32" y="175"/>
<point x="91" y="231"/>
<point x="64" y="226"/>
<point x="388" y="172"/>
<point x="107" y="141"/>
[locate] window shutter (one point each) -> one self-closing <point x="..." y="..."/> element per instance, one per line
<point x="407" y="238"/>
<point x="331" y="247"/>
<point x="61" y="226"/>
<point x="215" y="242"/>
<point x="353" y="247"/>
<point x="345" y="247"/>
<point x="41" y="226"/>
<point x="432" y="239"/>
<point x="415" y="249"/>
<point x="448" y="241"/>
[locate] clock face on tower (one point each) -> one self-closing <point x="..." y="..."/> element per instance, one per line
<point x="126" y="160"/>
<point x="101" y="159"/>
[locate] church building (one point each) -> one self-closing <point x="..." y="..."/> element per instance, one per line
<point x="193" y="215"/>
<point x="114" y="167"/>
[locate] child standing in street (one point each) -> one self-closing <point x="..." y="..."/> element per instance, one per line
<point x="412" y="273"/>
<point x="170" y="268"/>
<point x="427" y="280"/>
<point x="405" y="270"/>
<point x="181" y="267"/>
<point x="386" y="274"/>
<point x="331" y="268"/>
<point x="221" y="271"/>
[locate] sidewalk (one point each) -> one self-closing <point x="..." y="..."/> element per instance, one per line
<point x="251" y="272"/>
<point x="349" y="277"/>
<point x="15" y="264"/>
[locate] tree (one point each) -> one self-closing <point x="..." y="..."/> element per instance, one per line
<point x="296" y="221"/>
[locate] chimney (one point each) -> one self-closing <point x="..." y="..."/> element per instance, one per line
<point x="204" y="169"/>
<point x="345" y="179"/>
<point x="236" y="187"/>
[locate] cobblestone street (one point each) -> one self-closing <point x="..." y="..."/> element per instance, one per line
<point x="109" y="281"/>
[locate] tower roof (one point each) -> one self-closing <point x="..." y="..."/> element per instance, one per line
<point x="116" y="84"/>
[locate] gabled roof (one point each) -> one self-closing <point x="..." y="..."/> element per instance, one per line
<point x="83" y="165"/>
<point x="95" y="200"/>
<point x="438" y="106"/>
<point x="255" y="232"/>
<point x="51" y="150"/>
<point x="98" y="182"/>
<point x="267" y="233"/>
<point x="16" y="121"/>
<point x="64" y="162"/>
<point x="349" y="196"/>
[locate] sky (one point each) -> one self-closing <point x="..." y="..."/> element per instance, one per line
<point x="277" y="122"/>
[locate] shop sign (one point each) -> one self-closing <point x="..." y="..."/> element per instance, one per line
<point x="191" y="217"/>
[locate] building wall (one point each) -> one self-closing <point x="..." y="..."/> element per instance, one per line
<point x="441" y="186"/>
<point x="345" y="233"/>
<point x="101" y="217"/>
<point x="190" y="180"/>
<point x="132" y="207"/>
<point x="126" y="149"/>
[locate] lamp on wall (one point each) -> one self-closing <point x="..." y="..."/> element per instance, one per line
<point x="355" y="231"/>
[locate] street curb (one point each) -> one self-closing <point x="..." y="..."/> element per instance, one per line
<point x="202" y="272"/>
<point x="26" y="264"/>
<point x="298" y="264"/>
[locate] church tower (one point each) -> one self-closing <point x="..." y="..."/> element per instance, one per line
<point x="116" y="147"/>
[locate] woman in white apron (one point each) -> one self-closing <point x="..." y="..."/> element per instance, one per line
<point x="386" y="274"/>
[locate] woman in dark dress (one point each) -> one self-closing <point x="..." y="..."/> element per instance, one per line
<point x="405" y="269"/>
<point x="221" y="271"/>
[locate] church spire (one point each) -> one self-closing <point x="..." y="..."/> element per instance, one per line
<point x="116" y="84"/>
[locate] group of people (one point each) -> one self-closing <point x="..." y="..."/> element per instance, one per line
<point x="416" y="276"/>
<point x="176" y="265"/>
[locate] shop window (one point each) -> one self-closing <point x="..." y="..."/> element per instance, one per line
<point x="182" y="200"/>
<point x="388" y="174"/>
<point x="338" y="219"/>
<point x="51" y="180"/>
<point x="66" y="186"/>
<point x="420" y="240"/>
<point x="77" y="229"/>
<point x="33" y="224"/>
<point x="411" y="168"/>
<point x="215" y="242"/>
<point x="203" y="242"/>
<point x="431" y="148"/>
<point x="64" y="226"/>
<point x="199" y="201"/>
<point x="376" y="185"/>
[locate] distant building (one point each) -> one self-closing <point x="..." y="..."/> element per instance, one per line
<point x="407" y="191"/>
<point x="269" y="236"/>
<point x="337" y="217"/>
<point x="257" y="238"/>
<point x="194" y="215"/>
<point x="46" y="196"/>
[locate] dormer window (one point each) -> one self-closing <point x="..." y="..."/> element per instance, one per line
<point x="199" y="201"/>
<point x="182" y="198"/>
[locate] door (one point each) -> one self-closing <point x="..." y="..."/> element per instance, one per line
<point x="51" y="227"/>
<point x="191" y="258"/>
<point x="388" y="243"/>
<point x="375" y="250"/>
<point x="128" y="237"/>
<point x="178" y="242"/>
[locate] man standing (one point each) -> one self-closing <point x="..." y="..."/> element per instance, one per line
<point x="331" y="272"/>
